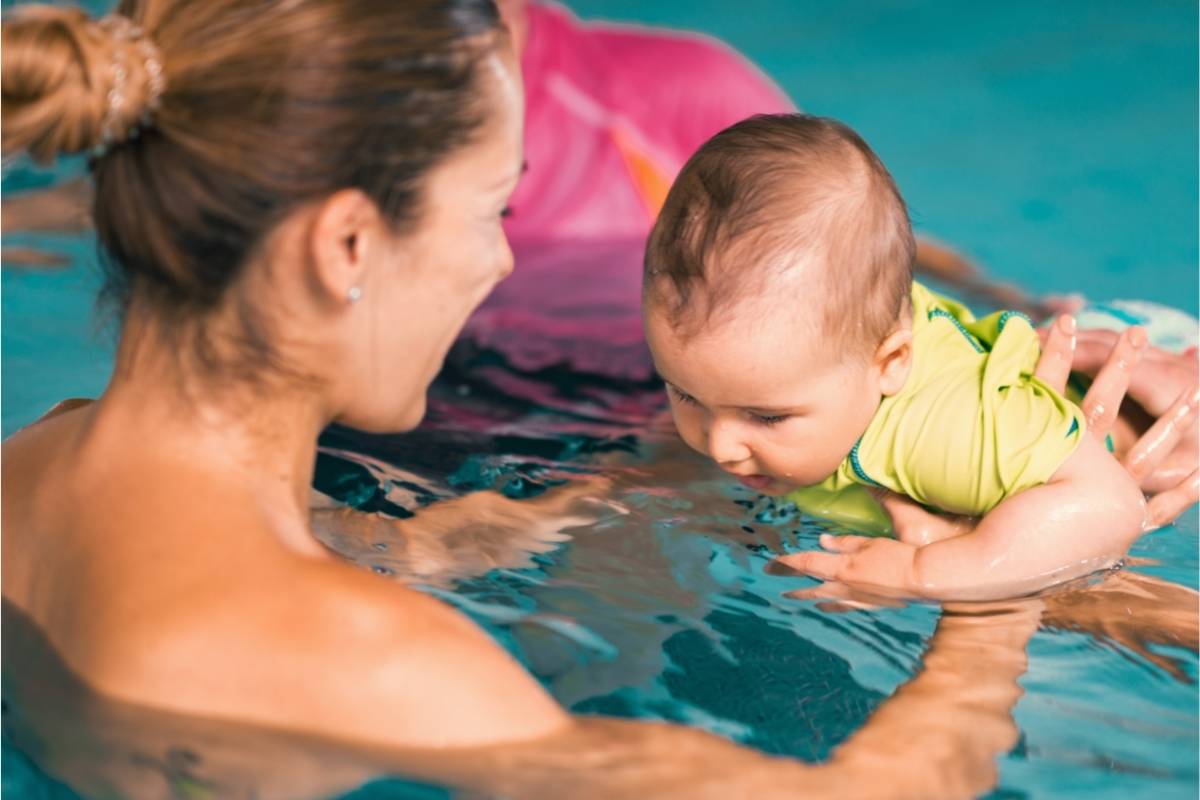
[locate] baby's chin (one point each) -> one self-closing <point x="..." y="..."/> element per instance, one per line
<point x="765" y="484"/>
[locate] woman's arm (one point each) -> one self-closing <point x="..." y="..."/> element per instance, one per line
<point x="937" y="737"/>
<point x="465" y="536"/>
<point x="939" y="734"/>
<point x="315" y="646"/>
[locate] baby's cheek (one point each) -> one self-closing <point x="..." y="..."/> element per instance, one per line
<point x="688" y="427"/>
<point x="800" y="459"/>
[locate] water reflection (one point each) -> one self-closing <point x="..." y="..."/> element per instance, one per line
<point x="103" y="748"/>
<point x="646" y="598"/>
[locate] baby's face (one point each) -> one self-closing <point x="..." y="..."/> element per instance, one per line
<point x="764" y="398"/>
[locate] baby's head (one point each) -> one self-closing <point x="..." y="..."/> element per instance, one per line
<point x="776" y="297"/>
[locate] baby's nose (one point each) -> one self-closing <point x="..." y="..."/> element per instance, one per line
<point x="725" y="445"/>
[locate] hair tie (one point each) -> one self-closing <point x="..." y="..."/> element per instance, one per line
<point x="126" y="34"/>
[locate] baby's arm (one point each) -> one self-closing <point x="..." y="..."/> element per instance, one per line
<point x="1082" y="520"/>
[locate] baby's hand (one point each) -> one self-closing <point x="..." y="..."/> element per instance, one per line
<point x="884" y="566"/>
<point x="914" y="524"/>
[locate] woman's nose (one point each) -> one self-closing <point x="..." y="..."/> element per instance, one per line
<point x="725" y="444"/>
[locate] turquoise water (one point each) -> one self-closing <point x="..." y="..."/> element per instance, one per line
<point x="1053" y="142"/>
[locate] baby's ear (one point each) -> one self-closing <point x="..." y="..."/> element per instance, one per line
<point x="893" y="360"/>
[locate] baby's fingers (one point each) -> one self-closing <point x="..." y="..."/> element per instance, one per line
<point x="844" y="544"/>
<point x="812" y="563"/>
<point x="1103" y="400"/>
<point x="1158" y="442"/>
<point x="1164" y="507"/>
<point x="1058" y="351"/>
<point x="836" y="597"/>
<point x="817" y="564"/>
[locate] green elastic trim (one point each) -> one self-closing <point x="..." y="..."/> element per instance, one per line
<point x="938" y="312"/>
<point x="1007" y="315"/>
<point x="1108" y="440"/>
<point x="857" y="466"/>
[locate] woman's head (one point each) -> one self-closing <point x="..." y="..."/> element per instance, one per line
<point x="301" y="154"/>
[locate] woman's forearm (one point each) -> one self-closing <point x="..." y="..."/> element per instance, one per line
<point x="939" y="734"/>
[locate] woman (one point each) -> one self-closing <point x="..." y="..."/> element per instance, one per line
<point x="289" y="247"/>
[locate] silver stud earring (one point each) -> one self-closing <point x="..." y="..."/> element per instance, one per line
<point x="354" y="295"/>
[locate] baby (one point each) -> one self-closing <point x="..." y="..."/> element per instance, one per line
<point x="800" y="355"/>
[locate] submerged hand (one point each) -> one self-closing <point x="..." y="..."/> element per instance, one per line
<point x="880" y="565"/>
<point x="913" y="525"/>
<point x="467" y="536"/>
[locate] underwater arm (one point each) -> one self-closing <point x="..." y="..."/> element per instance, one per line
<point x="464" y="536"/>
<point x="963" y="697"/>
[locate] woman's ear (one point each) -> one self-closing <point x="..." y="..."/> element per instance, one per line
<point x="893" y="360"/>
<point x="345" y="228"/>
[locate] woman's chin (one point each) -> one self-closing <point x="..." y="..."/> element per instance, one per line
<point x="385" y="420"/>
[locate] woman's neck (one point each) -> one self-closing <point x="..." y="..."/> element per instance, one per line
<point x="260" y="432"/>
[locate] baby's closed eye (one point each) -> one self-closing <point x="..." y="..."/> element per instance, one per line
<point x="681" y="395"/>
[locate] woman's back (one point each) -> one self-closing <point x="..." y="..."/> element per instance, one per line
<point x="118" y="554"/>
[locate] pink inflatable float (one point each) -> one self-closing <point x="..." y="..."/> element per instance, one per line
<point x="612" y="113"/>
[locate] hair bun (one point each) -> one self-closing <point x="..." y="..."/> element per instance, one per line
<point x="72" y="83"/>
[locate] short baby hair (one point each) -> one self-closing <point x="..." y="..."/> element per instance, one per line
<point x="772" y="198"/>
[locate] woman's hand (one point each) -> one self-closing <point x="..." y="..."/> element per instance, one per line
<point x="1155" y="384"/>
<point x="1164" y="458"/>
<point x="466" y="536"/>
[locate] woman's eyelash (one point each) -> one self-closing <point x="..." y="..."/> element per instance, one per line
<point x="769" y="420"/>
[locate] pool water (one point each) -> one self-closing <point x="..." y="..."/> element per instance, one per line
<point x="1053" y="142"/>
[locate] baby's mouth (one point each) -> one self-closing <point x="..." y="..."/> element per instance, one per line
<point x="759" y="483"/>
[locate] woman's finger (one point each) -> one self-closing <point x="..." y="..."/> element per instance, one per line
<point x="1164" y="507"/>
<point x="1092" y="348"/>
<point x="1158" y="442"/>
<point x="1103" y="399"/>
<point x="1058" y="351"/>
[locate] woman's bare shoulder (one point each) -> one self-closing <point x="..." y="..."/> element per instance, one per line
<point x="38" y="436"/>
<point x="189" y="601"/>
<point x="29" y="455"/>
<point x="323" y="647"/>
<point x="56" y="410"/>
